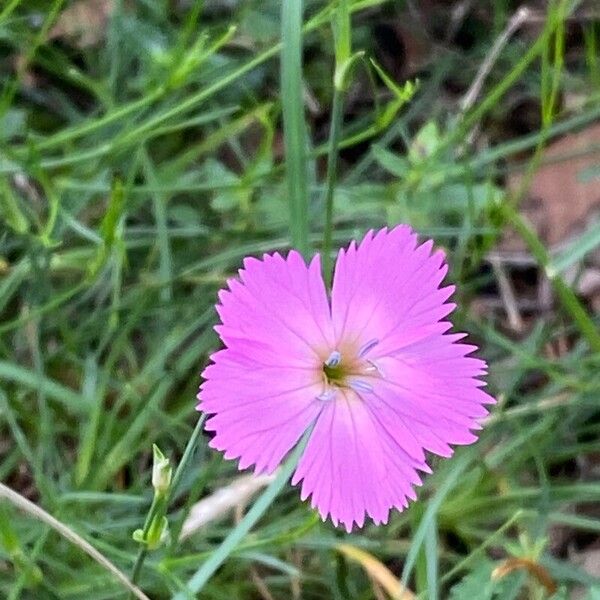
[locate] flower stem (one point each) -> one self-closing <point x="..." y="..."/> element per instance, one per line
<point x="160" y="502"/>
<point x="337" y="115"/>
<point x="229" y="544"/>
<point x="141" y="557"/>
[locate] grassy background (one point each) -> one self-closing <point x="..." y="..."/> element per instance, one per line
<point x="138" y="168"/>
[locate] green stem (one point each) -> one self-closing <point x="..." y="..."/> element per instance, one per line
<point x="160" y="503"/>
<point x="294" y="126"/>
<point x="565" y="294"/>
<point x="230" y="543"/>
<point x="187" y="454"/>
<point x="337" y="116"/>
<point x="157" y="503"/>
<point x="500" y="89"/>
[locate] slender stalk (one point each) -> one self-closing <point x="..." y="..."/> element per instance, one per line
<point x="39" y="513"/>
<point x="229" y="544"/>
<point x="337" y="117"/>
<point x="157" y="502"/>
<point x="499" y="90"/>
<point x="343" y="65"/>
<point x="161" y="503"/>
<point x="565" y="294"/>
<point x="294" y="126"/>
<point x="187" y="454"/>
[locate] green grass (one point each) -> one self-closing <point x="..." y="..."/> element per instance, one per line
<point x="134" y="177"/>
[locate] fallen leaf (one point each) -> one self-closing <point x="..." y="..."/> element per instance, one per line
<point x="377" y="571"/>
<point x="561" y="202"/>
<point x="84" y="22"/>
<point x="221" y="502"/>
<point x="525" y="564"/>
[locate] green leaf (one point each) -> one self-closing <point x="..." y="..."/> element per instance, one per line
<point x="10" y="211"/>
<point x="110" y="226"/>
<point x="425" y="143"/>
<point x="479" y="584"/>
<point x="12" y="123"/>
<point x="392" y="163"/>
<point x="576" y="250"/>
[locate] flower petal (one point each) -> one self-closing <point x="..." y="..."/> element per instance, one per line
<point x="262" y="388"/>
<point x="259" y="413"/>
<point x="387" y="288"/>
<point x="280" y="305"/>
<point x="352" y="466"/>
<point x="432" y="386"/>
<point x="411" y="386"/>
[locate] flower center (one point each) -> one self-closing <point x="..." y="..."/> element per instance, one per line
<point x="352" y="371"/>
<point x="333" y="369"/>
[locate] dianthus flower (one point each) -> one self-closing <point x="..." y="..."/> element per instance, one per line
<point x="374" y="367"/>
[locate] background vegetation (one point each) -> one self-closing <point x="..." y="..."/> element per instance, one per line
<point x="142" y="156"/>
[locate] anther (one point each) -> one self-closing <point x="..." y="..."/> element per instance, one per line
<point x="358" y="385"/>
<point x="334" y="359"/>
<point x="367" y="347"/>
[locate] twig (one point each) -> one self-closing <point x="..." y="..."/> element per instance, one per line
<point x="261" y="586"/>
<point x="40" y="514"/>
<point x="458" y="14"/>
<point x="507" y="294"/>
<point x="522" y="15"/>
<point x="586" y="15"/>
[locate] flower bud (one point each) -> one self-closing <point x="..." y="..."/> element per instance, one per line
<point x="161" y="471"/>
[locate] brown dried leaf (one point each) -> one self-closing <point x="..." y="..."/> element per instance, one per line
<point x="560" y="204"/>
<point x="524" y="564"/>
<point x="377" y="571"/>
<point x="84" y="22"/>
<point x="221" y="502"/>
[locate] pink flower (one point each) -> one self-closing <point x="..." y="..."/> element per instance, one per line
<point x="374" y="367"/>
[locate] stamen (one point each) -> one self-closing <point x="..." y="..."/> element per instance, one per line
<point x="373" y="368"/>
<point x="358" y="385"/>
<point x="334" y="359"/>
<point x="367" y="347"/>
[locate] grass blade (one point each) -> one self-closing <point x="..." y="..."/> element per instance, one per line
<point x="229" y="544"/>
<point x="294" y="126"/>
<point x="66" y="532"/>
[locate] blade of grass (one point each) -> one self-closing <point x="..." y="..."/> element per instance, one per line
<point x="566" y="296"/>
<point x="431" y="557"/>
<point x="8" y="9"/>
<point x="229" y="544"/>
<point x="456" y="469"/>
<point x="377" y="571"/>
<point x="159" y="204"/>
<point x="72" y="401"/>
<point x="576" y="250"/>
<point x="344" y="62"/>
<point x="294" y="125"/>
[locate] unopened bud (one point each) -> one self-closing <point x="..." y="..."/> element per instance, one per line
<point x="161" y="471"/>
